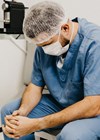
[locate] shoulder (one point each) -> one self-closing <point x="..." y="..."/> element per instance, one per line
<point x="39" y="49"/>
<point x="89" y="29"/>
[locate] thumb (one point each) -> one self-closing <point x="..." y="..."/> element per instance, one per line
<point x="16" y="112"/>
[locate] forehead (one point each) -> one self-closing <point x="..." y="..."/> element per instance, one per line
<point x="51" y="40"/>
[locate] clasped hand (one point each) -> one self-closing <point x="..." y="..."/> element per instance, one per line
<point x="18" y="126"/>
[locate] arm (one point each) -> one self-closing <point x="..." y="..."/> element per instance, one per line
<point x="30" y="98"/>
<point x="32" y="94"/>
<point x="88" y="107"/>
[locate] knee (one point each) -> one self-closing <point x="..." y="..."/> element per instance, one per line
<point x="69" y="134"/>
<point x="10" y="107"/>
<point x="5" y="110"/>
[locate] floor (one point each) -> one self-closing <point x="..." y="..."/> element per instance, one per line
<point x="1" y="136"/>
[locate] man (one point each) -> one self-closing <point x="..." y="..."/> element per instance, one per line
<point x="67" y="61"/>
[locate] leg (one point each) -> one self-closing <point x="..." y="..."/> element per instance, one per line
<point x="84" y="129"/>
<point x="46" y="106"/>
<point x="8" y="110"/>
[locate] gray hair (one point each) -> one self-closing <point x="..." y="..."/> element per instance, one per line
<point x="43" y="18"/>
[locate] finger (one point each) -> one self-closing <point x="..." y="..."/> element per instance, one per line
<point x="9" y="130"/>
<point x="12" y="131"/>
<point x="6" y="133"/>
<point x="9" y="124"/>
<point x="14" y="122"/>
<point x="16" y="137"/>
<point x="17" y="134"/>
<point x="16" y="113"/>
<point x="16" y="118"/>
<point x="9" y="134"/>
<point x="9" y="117"/>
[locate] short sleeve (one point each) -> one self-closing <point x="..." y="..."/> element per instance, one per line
<point x="37" y="77"/>
<point x="92" y="71"/>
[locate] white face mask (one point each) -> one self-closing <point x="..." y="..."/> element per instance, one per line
<point x="56" y="48"/>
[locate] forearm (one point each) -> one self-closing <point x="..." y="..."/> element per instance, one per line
<point x="30" y="98"/>
<point x="83" y="109"/>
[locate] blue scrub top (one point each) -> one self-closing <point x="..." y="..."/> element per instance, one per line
<point x="80" y="74"/>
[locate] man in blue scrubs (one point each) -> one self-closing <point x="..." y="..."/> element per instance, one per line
<point x="67" y="61"/>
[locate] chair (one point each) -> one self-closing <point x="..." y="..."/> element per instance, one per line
<point x="44" y="135"/>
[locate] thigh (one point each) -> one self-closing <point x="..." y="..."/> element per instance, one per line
<point x="84" y="129"/>
<point x="9" y="108"/>
<point x="47" y="105"/>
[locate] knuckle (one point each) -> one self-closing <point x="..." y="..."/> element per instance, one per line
<point x="14" y="131"/>
<point x="14" y="127"/>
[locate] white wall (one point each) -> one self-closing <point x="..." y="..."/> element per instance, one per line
<point x="89" y="9"/>
<point x="12" y="62"/>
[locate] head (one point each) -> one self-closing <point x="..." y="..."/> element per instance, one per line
<point x="46" y="23"/>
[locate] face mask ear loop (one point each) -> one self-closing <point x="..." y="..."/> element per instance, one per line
<point x="59" y="35"/>
<point x="64" y="21"/>
<point x="72" y="33"/>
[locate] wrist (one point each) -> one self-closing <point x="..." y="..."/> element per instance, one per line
<point x="39" y="123"/>
<point x="23" y="111"/>
<point x="42" y="123"/>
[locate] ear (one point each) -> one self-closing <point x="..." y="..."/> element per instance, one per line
<point x="65" y="29"/>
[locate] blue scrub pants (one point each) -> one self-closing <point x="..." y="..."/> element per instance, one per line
<point x="83" y="129"/>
